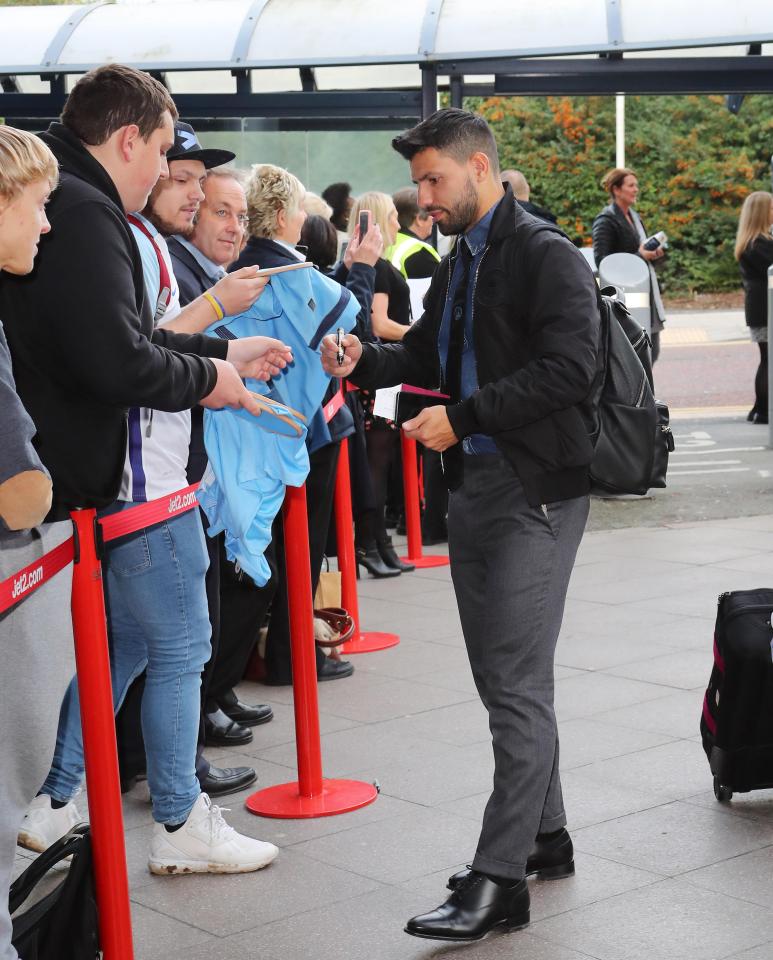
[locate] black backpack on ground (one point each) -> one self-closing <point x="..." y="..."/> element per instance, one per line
<point x="63" y="924"/>
<point x="737" y="719"/>
<point x="631" y="436"/>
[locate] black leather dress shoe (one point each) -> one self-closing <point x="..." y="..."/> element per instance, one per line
<point x="550" y="859"/>
<point x="223" y="780"/>
<point x="222" y="731"/>
<point x="331" y="669"/>
<point x="243" y="713"/>
<point x="476" y="906"/>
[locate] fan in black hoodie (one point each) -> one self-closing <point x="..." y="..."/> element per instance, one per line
<point x="81" y="335"/>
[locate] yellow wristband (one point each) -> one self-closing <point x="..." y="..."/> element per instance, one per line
<point x="216" y="305"/>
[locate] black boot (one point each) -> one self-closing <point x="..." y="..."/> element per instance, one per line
<point x="551" y="858"/>
<point x="387" y="553"/>
<point x="371" y="560"/>
<point x="476" y="906"/>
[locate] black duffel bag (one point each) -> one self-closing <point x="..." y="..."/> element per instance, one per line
<point x="62" y="925"/>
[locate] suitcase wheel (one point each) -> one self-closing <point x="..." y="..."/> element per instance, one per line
<point x="721" y="792"/>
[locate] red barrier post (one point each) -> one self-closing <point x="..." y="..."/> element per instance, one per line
<point x="413" y="510"/>
<point x="311" y="795"/>
<point x="99" y="745"/>
<point x="361" y="641"/>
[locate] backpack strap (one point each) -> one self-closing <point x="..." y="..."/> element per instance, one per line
<point x="165" y="281"/>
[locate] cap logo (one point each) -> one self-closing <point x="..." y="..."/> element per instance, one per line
<point x="188" y="139"/>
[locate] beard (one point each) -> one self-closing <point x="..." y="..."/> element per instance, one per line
<point x="165" y="227"/>
<point x="462" y="214"/>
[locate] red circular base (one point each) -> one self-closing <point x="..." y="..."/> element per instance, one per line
<point x="370" y="642"/>
<point x="285" y="802"/>
<point x="427" y="561"/>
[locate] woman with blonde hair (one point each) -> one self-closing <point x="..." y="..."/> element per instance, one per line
<point x="754" y="253"/>
<point x="390" y="318"/>
<point x="37" y="658"/>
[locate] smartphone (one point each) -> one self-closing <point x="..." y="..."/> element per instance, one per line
<point x="364" y="222"/>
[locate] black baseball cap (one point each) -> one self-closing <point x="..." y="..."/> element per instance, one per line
<point x="187" y="146"/>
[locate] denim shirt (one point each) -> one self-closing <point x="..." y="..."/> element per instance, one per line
<point x="475" y="238"/>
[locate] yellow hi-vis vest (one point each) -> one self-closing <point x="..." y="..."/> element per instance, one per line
<point x="405" y="246"/>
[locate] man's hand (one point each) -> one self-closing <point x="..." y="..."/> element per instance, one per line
<point x="352" y="353"/>
<point x="366" y="251"/>
<point x="239" y="290"/>
<point x="229" y="391"/>
<point x="259" y="357"/>
<point x="432" y="428"/>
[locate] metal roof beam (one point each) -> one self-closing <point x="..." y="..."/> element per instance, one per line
<point x="400" y="106"/>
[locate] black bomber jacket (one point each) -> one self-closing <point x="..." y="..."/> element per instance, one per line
<point x="536" y="332"/>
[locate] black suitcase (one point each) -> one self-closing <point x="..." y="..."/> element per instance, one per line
<point x="737" y="719"/>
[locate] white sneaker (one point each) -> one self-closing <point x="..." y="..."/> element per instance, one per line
<point x="206" y="844"/>
<point x="42" y="825"/>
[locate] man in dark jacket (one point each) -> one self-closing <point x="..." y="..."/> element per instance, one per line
<point x="510" y="331"/>
<point x="85" y="349"/>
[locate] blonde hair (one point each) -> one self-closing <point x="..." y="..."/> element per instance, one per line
<point x="314" y="205"/>
<point x="24" y="159"/>
<point x="270" y="189"/>
<point x="380" y="206"/>
<point x="755" y="220"/>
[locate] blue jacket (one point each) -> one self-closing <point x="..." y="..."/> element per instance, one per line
<point x="249" y="466"/>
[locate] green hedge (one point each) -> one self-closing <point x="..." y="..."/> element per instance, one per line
<point x="694" y="159"/>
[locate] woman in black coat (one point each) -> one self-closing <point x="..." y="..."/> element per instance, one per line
<point x="619" y="229"/>
<point x="754" y="253"/>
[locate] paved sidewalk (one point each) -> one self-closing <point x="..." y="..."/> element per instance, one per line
<point x="663" y="871"/>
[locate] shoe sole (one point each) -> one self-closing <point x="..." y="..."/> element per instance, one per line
<point x="250" y="723"/>
<point x="31" y="842"/>
<point x="511" y="926"/>
<point x="224" y="742"/>
<point x="172" y="868"/>
<point x="225" y="791"/>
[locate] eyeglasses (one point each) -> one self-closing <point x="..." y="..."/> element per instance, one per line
<point x="223" y="214"/>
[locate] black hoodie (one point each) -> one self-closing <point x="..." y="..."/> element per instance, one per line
<point x="82" y="339"/>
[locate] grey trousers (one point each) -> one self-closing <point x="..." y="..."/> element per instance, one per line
<point x="38" y="663"/>
<point x="510" y="565"/>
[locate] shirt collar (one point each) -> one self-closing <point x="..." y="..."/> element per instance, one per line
<point x="213" y="270"/>
<point x="477" y="235"/>
<point x="288" y="246"/>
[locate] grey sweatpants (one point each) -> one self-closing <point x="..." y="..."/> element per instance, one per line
<point x="510" y="565"/>
<point x="37" y="664"/>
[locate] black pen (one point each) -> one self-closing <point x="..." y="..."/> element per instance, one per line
<point x="340" y="356"/>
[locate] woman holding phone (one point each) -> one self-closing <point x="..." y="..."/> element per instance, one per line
<point x="390" y="318"/>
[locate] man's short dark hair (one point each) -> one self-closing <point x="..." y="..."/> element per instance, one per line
<point x="406" y="203"/>
<point x="319" y="237"/>
<point x="455" y="132"/>
<point x="114" y="96"/>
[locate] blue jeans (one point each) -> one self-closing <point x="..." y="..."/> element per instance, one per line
<point x="157" y="619"/>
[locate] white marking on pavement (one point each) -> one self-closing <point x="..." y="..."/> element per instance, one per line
<point x="764" y="473"/>
<point x="695" y="453"/>
<point x="684" y="473"/>
<point x="708" y="463"/>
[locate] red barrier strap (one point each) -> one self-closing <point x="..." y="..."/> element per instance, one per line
<point x="147" y="514"/>
<point x="32" y="577"/>
<point x="332" y="407"/>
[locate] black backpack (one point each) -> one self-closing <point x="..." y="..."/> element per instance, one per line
<point x="63" y="924"/>
<point x="629" y="429"/>
<point x="631" y="435"/>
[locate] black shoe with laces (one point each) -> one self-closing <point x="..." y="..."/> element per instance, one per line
<point x="551" y="858"/>
<point x="477" y="906"/>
